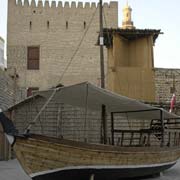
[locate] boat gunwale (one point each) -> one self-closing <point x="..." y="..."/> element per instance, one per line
<point x="100" y="147"/>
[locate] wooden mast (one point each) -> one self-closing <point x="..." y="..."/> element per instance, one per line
<point x="101" y="42"/>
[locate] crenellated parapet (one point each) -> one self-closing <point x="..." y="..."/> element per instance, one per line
<point x="54" y="4"/>
<point x="19" y="3"/>
<point x="26" y="3"/>
<point x="33" y="3"/>
<point x="40" y="4"/>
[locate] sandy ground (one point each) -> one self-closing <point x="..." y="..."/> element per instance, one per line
<point x="11" y="170"/>
<point x="170" y="174"/>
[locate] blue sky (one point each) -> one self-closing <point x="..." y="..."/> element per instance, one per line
<point x="149" y="14"/>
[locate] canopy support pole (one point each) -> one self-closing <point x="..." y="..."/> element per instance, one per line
<point x="112" y="128"/>
<point x="104" y="123"/>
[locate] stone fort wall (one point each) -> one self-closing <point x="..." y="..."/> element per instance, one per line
<point x="9" y="91"/>
<point x="66" y="35"/>
<point x="165" y="81"/>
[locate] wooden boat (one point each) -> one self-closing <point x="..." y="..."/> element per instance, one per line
<point x="54" y="158"/>
<point x="45" y="157"/>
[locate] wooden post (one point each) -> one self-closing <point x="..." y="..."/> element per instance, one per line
<point x="104" y="123"/>
<point x="112" y="128"/>
<point x="169" y="139"/>
<point x="140" y="139"/>
<point x="162" y="127"/>
<point x="122" y="138"/>
<point x="175" y="139"/>
<point x="131" y="139"/>
<point x="149" y="138"/>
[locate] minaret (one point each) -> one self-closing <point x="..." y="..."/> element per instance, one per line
<point x="127" y="23"/>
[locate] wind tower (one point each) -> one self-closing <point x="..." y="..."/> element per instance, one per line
<point x="130" y="59"/>
<point x="127" y="23"/>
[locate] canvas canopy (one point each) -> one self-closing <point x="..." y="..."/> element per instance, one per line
<point x="88" y="96"/>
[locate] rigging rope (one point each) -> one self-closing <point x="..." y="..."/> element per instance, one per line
<point x="75" y="52"/>
<point x="27" y="129"/>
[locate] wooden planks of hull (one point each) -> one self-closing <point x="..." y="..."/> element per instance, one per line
<point x="40" y="154"/>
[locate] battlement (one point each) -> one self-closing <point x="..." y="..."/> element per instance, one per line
<point x="59" y="4"/>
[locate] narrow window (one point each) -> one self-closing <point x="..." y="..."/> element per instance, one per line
<point x="84" y="24"/>
<point x="31" y="90"/>
<point x="30" y="25"/>
<point x="48" y="24"/>
<point x="66" y="24"/>
<point x="33" y="56"/>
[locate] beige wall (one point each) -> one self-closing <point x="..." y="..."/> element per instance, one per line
<point x="9" y="91"/>
<point x="57" y="44"/>
<point x="130" y="67"/>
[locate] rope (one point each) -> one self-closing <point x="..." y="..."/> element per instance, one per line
<point x="75" y="52"/>
<point x="36" y="108"/>
<point x="27" y="129"/>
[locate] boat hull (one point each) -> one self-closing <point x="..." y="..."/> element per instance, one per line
<point x="51" y="158"/>
<point x="102" y="173"/>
